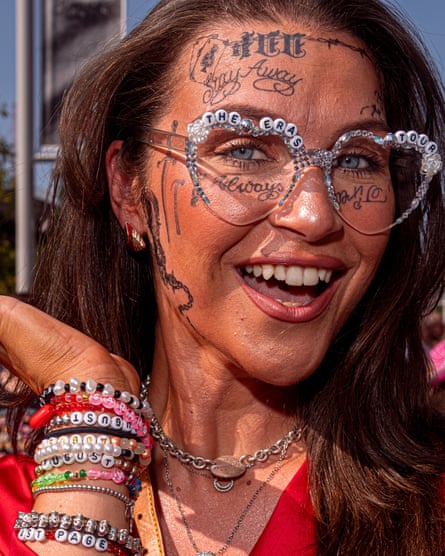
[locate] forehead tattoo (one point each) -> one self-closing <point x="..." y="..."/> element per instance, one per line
<point x="212" y="55"/>
<point x="376" y="109"/>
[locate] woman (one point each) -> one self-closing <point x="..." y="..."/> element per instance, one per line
<point x="279" y="235"/>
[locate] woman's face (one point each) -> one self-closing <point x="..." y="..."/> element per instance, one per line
<point x="225" y="291"/>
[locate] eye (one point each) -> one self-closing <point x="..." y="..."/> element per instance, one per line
<point x="246" y="153"/>
<point x="244" y="148"/>
<point x="352" y="162"/>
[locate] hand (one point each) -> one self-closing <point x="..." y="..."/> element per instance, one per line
<point x="39" y="350"/>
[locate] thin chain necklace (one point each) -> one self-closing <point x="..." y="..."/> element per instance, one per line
<point x="188" y="529"/>
<point x="224" y="469"/>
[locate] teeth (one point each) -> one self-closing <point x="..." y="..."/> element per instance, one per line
<point x="280" y="273"/>
<point x="257" y="270"/>
<point x="292" y="275"/>
<point x="268" y="271"/>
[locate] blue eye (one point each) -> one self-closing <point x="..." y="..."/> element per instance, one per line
<point x="247" y="153"/>
<point x="352" y="162"/>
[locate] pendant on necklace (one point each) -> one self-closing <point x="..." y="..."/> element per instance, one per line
<point x="223" y="487"/>
<point x="205" y="554"/>
<point x="227" y="467"/>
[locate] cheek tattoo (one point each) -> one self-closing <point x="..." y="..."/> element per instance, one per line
<point x="362" y="195"/>
<point x="166" y="162"/>
<point x="168" y="278"/>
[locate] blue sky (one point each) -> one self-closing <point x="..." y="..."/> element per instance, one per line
<point x="428" y="15"/>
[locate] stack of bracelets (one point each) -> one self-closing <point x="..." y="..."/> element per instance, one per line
<point x="109" y="431"/>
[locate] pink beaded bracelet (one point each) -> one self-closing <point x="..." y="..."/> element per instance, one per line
<point x="116" y="475"/>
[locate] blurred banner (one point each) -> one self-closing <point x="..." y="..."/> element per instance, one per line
<point x="73" y="31"/>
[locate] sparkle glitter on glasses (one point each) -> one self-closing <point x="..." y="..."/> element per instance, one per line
<point x="243" y="171"/>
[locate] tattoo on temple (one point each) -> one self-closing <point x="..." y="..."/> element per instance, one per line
<point x="164" y="164"/>
<point x="377" y="109"/>
<point x="212" y="53"/>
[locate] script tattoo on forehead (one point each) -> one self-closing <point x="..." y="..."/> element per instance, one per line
<point x="212" y="53"/>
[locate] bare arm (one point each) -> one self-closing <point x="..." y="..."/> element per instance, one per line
<point x="41" y="350"/>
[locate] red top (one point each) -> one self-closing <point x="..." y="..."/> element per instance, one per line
<point x="289" y="532"/>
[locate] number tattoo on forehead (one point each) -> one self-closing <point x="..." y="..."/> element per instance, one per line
<point x="212" y="53"/>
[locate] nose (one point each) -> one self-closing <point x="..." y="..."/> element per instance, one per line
<point x="308" y="210"/>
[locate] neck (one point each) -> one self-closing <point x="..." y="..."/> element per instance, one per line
<point x="215" y="410"/>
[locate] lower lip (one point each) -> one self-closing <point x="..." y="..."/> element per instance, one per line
<point x="276" y="310"/>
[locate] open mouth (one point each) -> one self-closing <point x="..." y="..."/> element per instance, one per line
<point x="291" y="286"/>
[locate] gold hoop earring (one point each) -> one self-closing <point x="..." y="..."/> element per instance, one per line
<point x="135" y="242"/>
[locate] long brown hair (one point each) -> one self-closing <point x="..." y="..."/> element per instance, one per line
<point x="374" y="443"/>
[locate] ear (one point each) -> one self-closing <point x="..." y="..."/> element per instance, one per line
<point x="124" y="191"/>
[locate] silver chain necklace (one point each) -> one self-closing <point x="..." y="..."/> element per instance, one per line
<point x="283" y="450"/>
<point x="224" y="469"/>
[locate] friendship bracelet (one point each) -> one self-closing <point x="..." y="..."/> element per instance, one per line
<point x="134" y="490"/>
<point x="54" y="520"/>
<point x="69" y="457"/>
<point x="87" y="540"/>
<point x="77" y="522"/>
<point x="90" y="418"/>
<point x="101" y="444"/>
<point x="78" y="401"/>
<point x="87" y="487"/>
<point x="96" y="430"/>
<point x="137" y="422"/>
<point x="117" y="476"/>
<point x="89" y="388"/>
<point x="107" y="462"/>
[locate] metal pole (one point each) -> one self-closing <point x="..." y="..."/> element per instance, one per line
<point x="24" y="214"/>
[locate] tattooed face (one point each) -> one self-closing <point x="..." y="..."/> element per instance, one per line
<point x="266" y="298"/>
